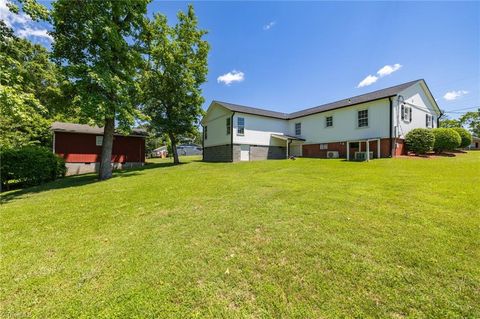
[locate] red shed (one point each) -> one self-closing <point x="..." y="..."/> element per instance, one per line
<point x="81" y="147"/>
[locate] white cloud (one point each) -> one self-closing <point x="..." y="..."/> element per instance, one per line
<point x="29" y="32"/>
<point x="270" y="25"/>
<point x="11" y="18"/>
<point x="230" y="77"/>
<point x="384" y="71"/>
<point x="453" y="95"/>
<point x="370" y="79"/>
<point x="21" y="23"/>
<point x="388" y="69"/>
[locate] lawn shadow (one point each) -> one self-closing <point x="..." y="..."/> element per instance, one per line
<point x="76" y="181"/>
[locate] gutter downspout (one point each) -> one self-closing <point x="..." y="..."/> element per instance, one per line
<point x="288" y="148"/>
<point x="231" y="135"/>
<point x="391" y="126"/>
<point x="203" y="143"/>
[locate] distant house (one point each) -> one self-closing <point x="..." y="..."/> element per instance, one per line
<point x="376" y="122"/>
<point x="189" y="149"/>
<point x="475" y="143"/>
<point x="81" y="146"/>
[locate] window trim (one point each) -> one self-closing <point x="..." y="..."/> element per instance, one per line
<point x="428" y="120"/>
<point x="358" y="118"/>
<point x="326" y="121"/>
<point x="242" y="126"/>
<point x="97" y="138"/>
<point x="299" y="128"/>
<point x="406" y="113"/>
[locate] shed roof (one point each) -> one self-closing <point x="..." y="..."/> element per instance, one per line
<point x="87" y="129"/>
<point x="368" y="97"/>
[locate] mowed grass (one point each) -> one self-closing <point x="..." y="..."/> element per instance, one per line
<point x="308" y="238"/>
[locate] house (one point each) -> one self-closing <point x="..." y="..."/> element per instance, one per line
<point x="81" y="146"/>
<point x="189" y="149"/>
<point x="368" y="125"/>
<point x="475" y="143"/>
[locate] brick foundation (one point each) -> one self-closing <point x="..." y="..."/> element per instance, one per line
<point x="313" y="150"/>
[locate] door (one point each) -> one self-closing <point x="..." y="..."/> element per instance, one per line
<point x="244" y="152"/>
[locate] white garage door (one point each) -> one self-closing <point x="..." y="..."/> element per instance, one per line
<point x="244" y="152"/>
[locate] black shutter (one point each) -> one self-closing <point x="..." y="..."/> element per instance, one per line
<point x="403" y="112"/>
<point x="411" y="114"/>
<point x="426" y="120"/>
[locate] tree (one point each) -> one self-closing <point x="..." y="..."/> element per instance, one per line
<point x="472" y="121"/>
<point x="30" y="93"/>
<point x="95" y="44"/>
<point x="175" y="68"/>
<point x="449" y="123"/>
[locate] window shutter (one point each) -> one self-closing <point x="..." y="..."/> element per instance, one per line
<point x="403" y="112"/>
<point x="410" y="114"/>
<point x="426" y="120"/>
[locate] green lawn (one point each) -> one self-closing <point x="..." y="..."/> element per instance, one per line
<point x="307" y="238"/>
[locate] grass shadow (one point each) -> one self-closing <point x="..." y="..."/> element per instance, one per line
<point x="76" y="181"/>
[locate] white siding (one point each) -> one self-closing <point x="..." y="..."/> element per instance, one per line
<point x="216" y="120"/>
<point x="421" y="104"/>
<point x="345" y="126"/>
<point x="258" y="130"/>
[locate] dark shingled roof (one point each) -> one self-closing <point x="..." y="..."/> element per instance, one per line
<point x="87" y="129"/>
<point x="252" y="110"/>
<point x="368" y="97"/>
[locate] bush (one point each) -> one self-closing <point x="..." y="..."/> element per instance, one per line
<point x="30" y="165"/>
<point x="420" y="140"/>
<point x="446" y="139"/>
<point x="464" y="135"/>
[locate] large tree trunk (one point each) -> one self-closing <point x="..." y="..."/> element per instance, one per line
<point x="105" y="171"/>
<point x="173" y="140"/>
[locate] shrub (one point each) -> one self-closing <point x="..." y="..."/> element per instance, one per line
<point x="30" y="165"/>
<point x="446" y="139"/>
<point x="420" y="140"/>
<point x="464" y="135"/>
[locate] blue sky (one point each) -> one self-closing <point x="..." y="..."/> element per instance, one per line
<point x="288" y="56"/>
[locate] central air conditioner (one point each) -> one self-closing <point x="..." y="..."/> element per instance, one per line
<point x="332" y="154"/>
<point x="362" y="156"/>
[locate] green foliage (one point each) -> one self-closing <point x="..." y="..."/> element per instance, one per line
<point x="30" y="92"/>
<point x="94" y="42"/>
<point x="472" y="121"/>
<point x="30" y="165"/>
<point x="175" y="69"/>
<point x="446" y="139"/>
<point x="420" y="140"/>
<point x="465" y="135"/>
<point x="449" y="123"/>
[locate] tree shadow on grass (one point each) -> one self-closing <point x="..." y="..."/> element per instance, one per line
<point x="77" y="180"/>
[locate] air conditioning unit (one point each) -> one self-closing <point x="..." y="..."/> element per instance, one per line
<point x="332" y="154"/>
<point x="362" y="156"/>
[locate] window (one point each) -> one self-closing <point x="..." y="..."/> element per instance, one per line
<point x="428" y="120"/>
<point x="240" y="126"/>
<point x="324" y="146"/>
<point x="205" y="132"/>
<point x="363" y="118"/>
<point x="329" y="121"/>
<point x="298" y="128"/>
<point x="406" y="113"/>
<point x="99" y="140"/>
<point x="228" y="126"/>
